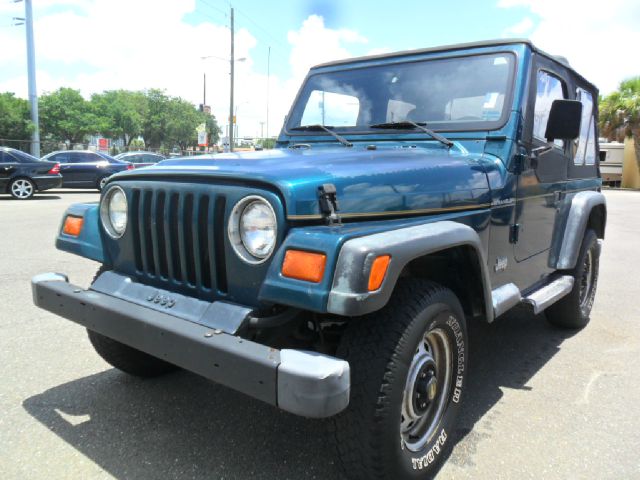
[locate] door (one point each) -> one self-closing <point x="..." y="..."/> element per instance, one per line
<point x="8" y="166"/>
<point x="65" y="167"/>
<point x="83" y="169"/>
<point x="543" y="177"/>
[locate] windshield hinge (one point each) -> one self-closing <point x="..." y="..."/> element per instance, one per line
<point x="328" y="200"/>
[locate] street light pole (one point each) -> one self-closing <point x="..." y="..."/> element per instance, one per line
<point x="268" y="81"/>
<point x="232" y="64"/>
<point x="31" y="72"/>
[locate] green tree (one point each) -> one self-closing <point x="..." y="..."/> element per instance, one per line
<point x="213" y="129"/>
<point x="66" y="116"/>
<point x="620" y="111"/>
<point x="120" y="114"/>
<point x="183" y="119"/>
<point x="155" y="123"/>
<point x="267" y="143"/>
<point x="14" y="120"/>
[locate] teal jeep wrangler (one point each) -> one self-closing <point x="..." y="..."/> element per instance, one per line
<point x="334" y="276"/>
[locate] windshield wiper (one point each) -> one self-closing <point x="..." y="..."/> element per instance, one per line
<point x="419" y="125"/>
<point x="318" y="128"/>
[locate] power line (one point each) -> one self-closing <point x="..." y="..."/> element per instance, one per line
<point x="263" y="29"/>
<point x="224" y="12"/>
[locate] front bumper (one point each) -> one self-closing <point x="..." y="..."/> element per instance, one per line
<point x="304" y="383"/>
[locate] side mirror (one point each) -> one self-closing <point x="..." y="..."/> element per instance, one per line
<point x="564" y="120"/>
<point x="603" y="155"/>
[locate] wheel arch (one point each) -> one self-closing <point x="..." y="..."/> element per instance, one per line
<point x="587" y="209"/>
<point x="422" y="251"/>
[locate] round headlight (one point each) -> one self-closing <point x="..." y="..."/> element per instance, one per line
<point x="113" y="212"/>
<point x="253" y="229"/>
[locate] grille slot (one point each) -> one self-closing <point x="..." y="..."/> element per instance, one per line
<point x="178" y="239"/>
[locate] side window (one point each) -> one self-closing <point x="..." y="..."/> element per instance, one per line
<point x="60" y="158"/>
<point x="549" y="88"/>
<point x="333" y="109"/>
<point x="5" y="157"/>
<point x="585" y="144"/>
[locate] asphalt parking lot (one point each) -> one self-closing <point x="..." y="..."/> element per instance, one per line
<point x="542" y="402"/>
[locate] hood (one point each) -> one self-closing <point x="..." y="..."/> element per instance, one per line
<point x="392" y="181"/>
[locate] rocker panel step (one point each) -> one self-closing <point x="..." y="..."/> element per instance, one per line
<point x="550" y="293"/>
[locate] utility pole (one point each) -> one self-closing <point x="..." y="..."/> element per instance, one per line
<point x="204" y="90"/>
<point x="268" y="81"/>
<point x="232" y="61"/>
<point x="31" y="72"/>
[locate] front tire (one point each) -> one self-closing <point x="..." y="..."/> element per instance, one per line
<point x="408" y="369"/>
<point x="22" y="188"/>
<point x="125" y="358"/>
<point x="573" y="310"/>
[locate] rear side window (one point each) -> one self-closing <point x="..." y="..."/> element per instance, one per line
<point x="83" y="157"/>
<point x="549" y="88"/>
<point x="5" y="157"/>
<point x="586" y="144"/>
<point x="23" y="157"/>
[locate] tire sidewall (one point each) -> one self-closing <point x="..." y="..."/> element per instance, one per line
<point x="449" y="318"/>
<point x="590" y="244"/>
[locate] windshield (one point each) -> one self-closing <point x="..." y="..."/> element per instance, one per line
<point x="463" y="93"/>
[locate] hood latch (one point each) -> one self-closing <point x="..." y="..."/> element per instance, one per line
<point x="328" y="201"/>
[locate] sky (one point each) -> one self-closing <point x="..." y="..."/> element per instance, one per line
<point x="97" y="45"/>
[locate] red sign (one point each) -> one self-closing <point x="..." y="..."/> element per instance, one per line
<point x="103" y="144"/>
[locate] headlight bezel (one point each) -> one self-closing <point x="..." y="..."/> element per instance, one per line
<point x="105" y="212"/>
<point x="235" y="234"/>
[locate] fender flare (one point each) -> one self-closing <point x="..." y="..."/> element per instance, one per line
<point x="349" y="293"/>
<point x="582" y="204"/>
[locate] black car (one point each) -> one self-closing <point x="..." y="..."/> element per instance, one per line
<point x="140" y="159"/>
<point x="86" y="169"/>
<point x="21" y="174"/>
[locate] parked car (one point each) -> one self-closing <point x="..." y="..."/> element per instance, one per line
<point x="86" y="169"/>
<point x="21" y="174"/>
<point x="140" y="159"/>
<point x="411" y="193"/>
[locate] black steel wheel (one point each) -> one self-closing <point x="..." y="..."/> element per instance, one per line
<point x="574" y="309"/>
<point x="408" y="372"/>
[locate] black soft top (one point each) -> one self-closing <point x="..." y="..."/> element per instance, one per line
<point x="459" y="46"/>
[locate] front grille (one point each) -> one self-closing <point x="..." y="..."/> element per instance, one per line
<point x="178" y="238"/>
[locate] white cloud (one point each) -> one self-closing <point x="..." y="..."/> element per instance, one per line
<point x="314" y="43"/>
<point x="598" y="39"/>
<point x="97" y="45"/>
<point x="520" y="28"/>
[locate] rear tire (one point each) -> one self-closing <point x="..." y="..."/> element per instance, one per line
<point x="22" y="188"/>
<point x="102" y="182"/>
<point x="125" y="358"/>
<point x="408" y="370"/>
<point x="573" y="310"/>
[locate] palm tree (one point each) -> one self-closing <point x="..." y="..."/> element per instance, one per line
<point x="620" y="111"/>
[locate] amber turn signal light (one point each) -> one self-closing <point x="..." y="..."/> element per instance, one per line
<point x="73" y="225"/>
<point x="307" y="266"/>
<point x="378" y="272"/>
